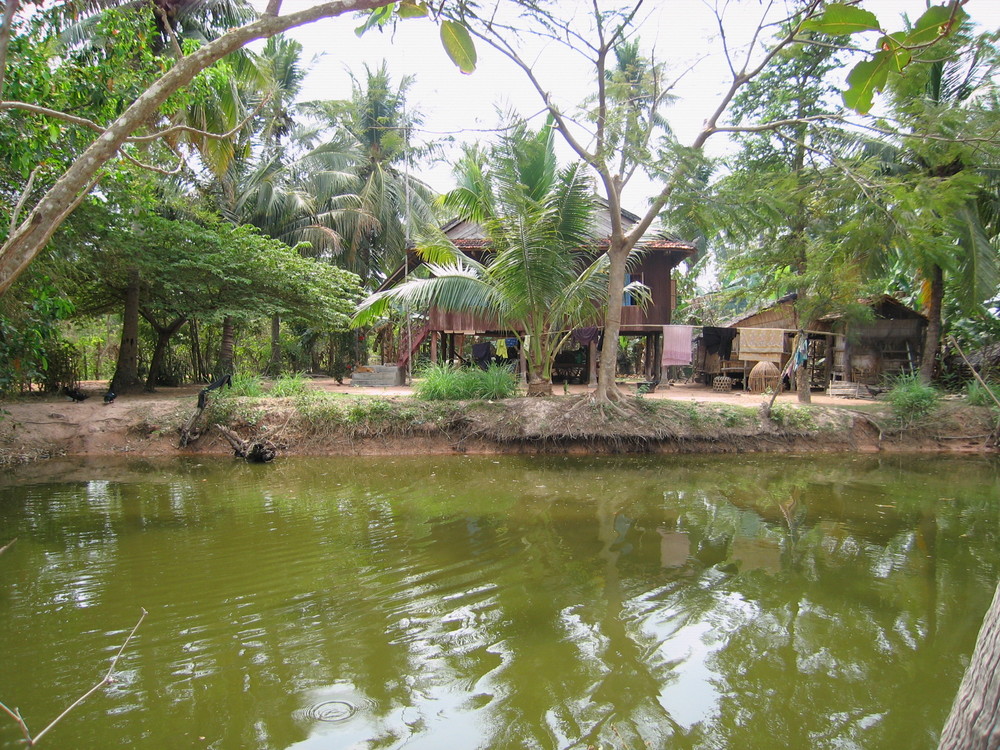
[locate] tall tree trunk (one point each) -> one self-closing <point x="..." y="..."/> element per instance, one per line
<point x="126" y="377"/>
<point x="932" y="340"/>
<point x="197" y="360"/>
<point x="274" y="361"/>
<point x="974" y="721"/>
<point x="606" y="388"/>
<point x="163" y="336"/>
<point x="226" y="346"/>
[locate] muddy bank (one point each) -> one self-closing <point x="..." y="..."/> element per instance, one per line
<point x="326" y="422"/>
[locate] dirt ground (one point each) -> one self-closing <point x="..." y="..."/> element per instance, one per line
<point x="147" y="423"/>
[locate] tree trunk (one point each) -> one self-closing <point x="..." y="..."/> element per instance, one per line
<point x="197" y="358"/>
<point x="24" y="244"/>
<point x="274" y="361"/>
<point x="932" y="340"/>
<point x="126" y="377"/>
<point x="974" y="721"/>
<point x="163" y="336"/>
<point x="606" y="388"/>
<point x="226" y="346"/>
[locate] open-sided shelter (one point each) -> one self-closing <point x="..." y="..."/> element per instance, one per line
<point x="839" y="349"/>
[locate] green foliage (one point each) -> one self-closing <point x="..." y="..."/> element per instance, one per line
<point x="289" y="385"/>
<point x="895" y="51"/>
<point x="792" y="417"/>
<point x="912" y="400"/>
<point x="33" y="352"/>
<point x="442" y="382"/>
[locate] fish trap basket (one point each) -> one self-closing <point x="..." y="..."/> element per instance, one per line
<point x="722" y="384"/>
<point x="764" y="376"/>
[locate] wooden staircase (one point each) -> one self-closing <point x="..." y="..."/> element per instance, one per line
<point x="416" y="339"/>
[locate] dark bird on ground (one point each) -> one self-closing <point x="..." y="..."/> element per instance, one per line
<point x="110" y="396"/>
<point x="75" y="393"/>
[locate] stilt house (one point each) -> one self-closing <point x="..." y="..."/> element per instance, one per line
<point x="449" y="333"/>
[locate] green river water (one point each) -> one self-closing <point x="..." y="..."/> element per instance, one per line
<point x="495" y="602"/>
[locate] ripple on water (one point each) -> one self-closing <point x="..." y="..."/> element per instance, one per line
<point x="337" y="706"/>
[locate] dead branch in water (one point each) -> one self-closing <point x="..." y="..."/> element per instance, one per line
<point x="8" y="545"/>
<point x="256" y="451"/>
<point x="108" y="678"/>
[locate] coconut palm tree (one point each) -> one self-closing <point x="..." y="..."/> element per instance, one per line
<point x="538" y="279"/>
<point x="377" y="124"/>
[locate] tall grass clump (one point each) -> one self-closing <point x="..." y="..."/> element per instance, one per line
<point x="978" y="395"/>
<point x="289" y="385"/>
<point x="912" y="400"/>
<point x="246" y="385"/>
<point x="442" y="382"/>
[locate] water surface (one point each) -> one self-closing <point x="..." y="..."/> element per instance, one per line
<point x="484" y="602"/>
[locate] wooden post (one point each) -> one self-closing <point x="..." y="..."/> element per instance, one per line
<point x="434" y="347"/>
<point x="522" y="364"/>
<point x="592" y="363"/>
<point x="658" y="356"/>
<point x="459" y="345"/>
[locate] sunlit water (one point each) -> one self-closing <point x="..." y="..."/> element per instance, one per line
<point x="483" y="602"/>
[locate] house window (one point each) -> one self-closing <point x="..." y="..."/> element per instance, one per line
<point x="627" y="299"/>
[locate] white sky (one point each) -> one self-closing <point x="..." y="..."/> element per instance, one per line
<point x="679" y="32"/>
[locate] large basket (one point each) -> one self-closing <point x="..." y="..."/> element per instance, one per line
<point x="764" y="376"/>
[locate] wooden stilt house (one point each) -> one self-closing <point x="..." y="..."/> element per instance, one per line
<point x="447" y="335"/>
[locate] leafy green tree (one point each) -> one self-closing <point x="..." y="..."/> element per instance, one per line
<point x="535" y="278"/>
<point x="45" y="211"/>
<point x="176" y="270"/>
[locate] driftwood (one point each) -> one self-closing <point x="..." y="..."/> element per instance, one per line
<point x="188" y="432"/>
<point x="257" y="451"/>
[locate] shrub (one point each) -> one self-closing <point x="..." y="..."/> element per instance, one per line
<point x="443" y="382"/>
<point x="911" y="400"/>
<point x="289" y="385"/>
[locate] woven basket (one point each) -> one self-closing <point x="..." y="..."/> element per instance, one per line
<point x="764" y="376"/>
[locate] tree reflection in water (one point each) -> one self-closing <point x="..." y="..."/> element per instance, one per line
<point x="517" y="602"/>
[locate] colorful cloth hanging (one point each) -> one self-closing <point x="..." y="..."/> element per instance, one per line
<point x="762" y="344"/>
<point x="502" y="348"/>
<point x="676" y="345"/>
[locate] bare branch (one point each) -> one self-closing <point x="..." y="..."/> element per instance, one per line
<point x="108" y="678"/>
<point x="8" y="545"/>
<point x="20" y="204"/>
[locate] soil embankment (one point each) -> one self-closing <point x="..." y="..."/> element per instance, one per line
<point x="335" y="420"/>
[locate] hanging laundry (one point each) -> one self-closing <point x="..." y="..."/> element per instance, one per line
<point x="762" y="344"/>
<point x="482" y="353"/>
<point x="677" y="345"/>
<point x="502" y="348"/>
<point x="800" y="353"/>
<point x="718" y="340"/>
